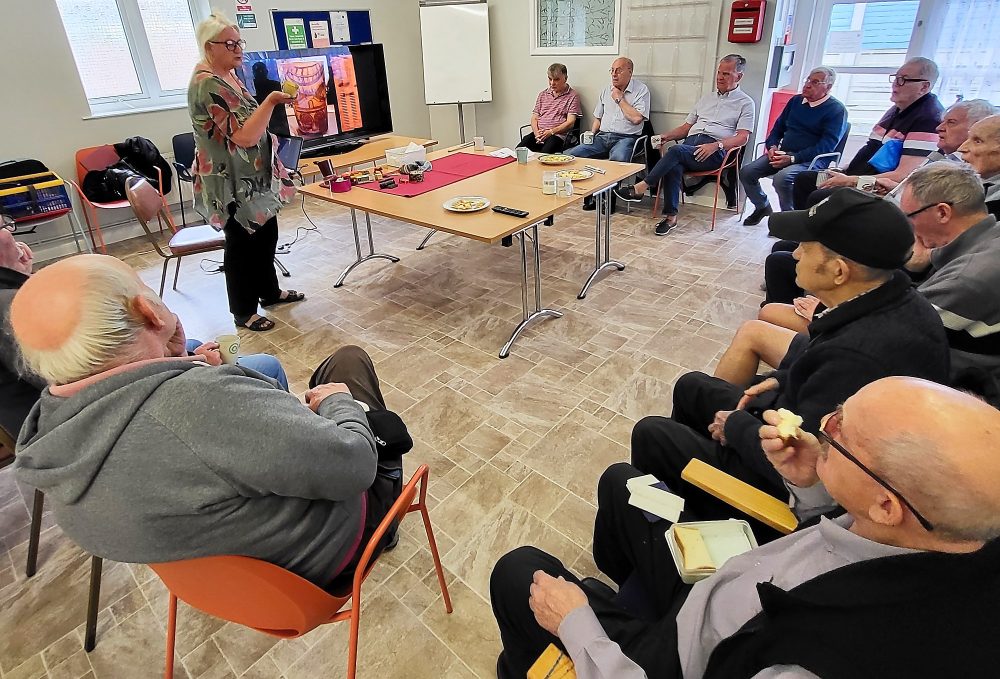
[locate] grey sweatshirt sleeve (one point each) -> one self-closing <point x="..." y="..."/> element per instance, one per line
<point x="263" y="441"/>
<point x="594" y="655"/>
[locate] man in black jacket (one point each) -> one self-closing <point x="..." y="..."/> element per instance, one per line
<point x="18" y="389"/>
<point x="875" y="326"/>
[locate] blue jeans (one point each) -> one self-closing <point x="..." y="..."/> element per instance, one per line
<point x="677" y="160"/>
<point x="606" y="145"/>
<point x="265" y="364"/>
<point x="784" y="179"/>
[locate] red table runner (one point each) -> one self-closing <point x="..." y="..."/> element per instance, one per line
<point x="445" y="171"/>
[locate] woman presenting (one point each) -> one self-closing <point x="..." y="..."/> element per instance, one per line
<point x="239" y="183"/>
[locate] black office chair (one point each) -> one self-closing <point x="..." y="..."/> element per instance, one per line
<point x="183" y="160"/>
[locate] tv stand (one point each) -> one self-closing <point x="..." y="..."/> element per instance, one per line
<point x="334" y="149"/>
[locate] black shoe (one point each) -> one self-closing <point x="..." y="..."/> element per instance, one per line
<point x="393" y="542"/>
<point x="757" y="215"/>
<point x="664" y="226"/>
<point x="589" y="204"/>
<point x="628" y="194"/>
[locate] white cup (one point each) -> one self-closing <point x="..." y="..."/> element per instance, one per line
<point x="549" y="183"/>
<point x="656" y="141"/>
<point x="229" y="348"/>
<point x="479" y="143"/>
<point x="564" y="187"/>
<point x="587" y="138"/>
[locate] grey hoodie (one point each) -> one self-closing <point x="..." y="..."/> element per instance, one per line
<point x="177" y="459"/>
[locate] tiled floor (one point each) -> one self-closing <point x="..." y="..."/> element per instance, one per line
<point x="515" y="446"/>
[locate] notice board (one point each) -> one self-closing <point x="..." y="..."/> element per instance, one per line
<point x="302" y="30"/>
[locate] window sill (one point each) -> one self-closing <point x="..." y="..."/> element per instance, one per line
<point x="130" y="111"/>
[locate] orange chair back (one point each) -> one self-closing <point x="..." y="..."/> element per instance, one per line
<point x="250" y="592"/>
<point x="95" y="158"/>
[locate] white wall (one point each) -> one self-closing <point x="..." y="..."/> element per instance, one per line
<point x="45" y="113"/>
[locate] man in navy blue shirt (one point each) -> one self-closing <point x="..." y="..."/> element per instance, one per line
<point x="809" y="126"/>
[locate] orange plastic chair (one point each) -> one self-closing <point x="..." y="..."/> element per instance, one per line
<point x="731" y="159"/>
<point x="98" y="158"/>
<point x="275" y="601"/>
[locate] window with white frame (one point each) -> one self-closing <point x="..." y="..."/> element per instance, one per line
<point x="133" y="55"/>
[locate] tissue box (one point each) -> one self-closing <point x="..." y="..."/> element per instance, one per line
<point x="400" y="156"/>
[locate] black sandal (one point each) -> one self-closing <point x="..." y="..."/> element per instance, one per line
<point x="292" y="296"/>
<point x="262" y="324"/>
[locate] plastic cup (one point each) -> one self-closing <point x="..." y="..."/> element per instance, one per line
<point x="522" y="155"/>
<point x="479" y="143"/>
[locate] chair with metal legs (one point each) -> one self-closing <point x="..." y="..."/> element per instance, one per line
<point x="35" y="530"/>
<point x="730" y="161"/>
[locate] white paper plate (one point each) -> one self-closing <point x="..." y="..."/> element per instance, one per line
<point x="456" y="204"/>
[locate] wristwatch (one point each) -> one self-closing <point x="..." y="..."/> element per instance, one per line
<point x="722" y="147"/>
<point x="618" y="101"/>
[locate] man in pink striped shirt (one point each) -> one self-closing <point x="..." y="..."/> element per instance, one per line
<point x="555" y="113"/>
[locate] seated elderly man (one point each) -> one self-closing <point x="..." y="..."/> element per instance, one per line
<point x="807" y="127"/>
<point x="852" y="245"/>
<point x="899" y="141"/>
<point x="150" y="455"/>
<point x="956" y="262"/>
<point x="719" y="121"/>
<point x="555" y="113"/>
<point x="982" y="151"/>
<point x="905" y="584"/>
<point x="956" y="122"/>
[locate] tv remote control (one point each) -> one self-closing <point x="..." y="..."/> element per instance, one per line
<point x="510" y="211"/>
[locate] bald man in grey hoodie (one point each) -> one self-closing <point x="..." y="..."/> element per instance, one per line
<point x="149" y="455"/>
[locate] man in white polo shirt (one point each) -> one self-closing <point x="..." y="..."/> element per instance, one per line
<point x="618" y="117"/>
<point x="721" y="120"/>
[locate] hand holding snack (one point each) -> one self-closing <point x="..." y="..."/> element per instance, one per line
<point x="793" y="457"/>
<point x="290" y="87"/>
<point x="788" y="425"/>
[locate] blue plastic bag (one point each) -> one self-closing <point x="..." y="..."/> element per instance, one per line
<point x="886" y="159"/>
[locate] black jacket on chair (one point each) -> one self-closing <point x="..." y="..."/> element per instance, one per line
<point x="891" y="330"/>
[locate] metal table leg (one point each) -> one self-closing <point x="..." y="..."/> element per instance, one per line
<point x="538" y="312"/>
<point x="426" y="239"/>
<point x="602" y="260"/>
<point x="357" y="244"/>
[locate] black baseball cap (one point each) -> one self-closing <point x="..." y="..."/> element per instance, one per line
<point x="857" y="225"/>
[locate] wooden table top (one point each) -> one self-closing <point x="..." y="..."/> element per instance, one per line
<point x="371" y="151"/>
<point x="513" y="185"/>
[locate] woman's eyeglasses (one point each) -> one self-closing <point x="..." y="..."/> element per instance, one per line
<point x="832" y="421"/>
<point x="902" y="80"/>
<point x="231" y="45"/>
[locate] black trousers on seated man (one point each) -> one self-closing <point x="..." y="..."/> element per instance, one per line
<point x="553" y="144"/>
<point x="626" y="545"/>
<point x="663" y="446"/>
<point x="352" y="366"/>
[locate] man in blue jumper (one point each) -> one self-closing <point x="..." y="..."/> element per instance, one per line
<point x="807" y="127"/>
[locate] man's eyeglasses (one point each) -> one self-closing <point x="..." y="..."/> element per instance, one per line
<point x="231" y="44"/>
<point x="618" y="71"/>
<point x="902" y="80"/>
<point x="832" y="421"/>
<point x="813" y="81"/>
<point x="911" y="215"/>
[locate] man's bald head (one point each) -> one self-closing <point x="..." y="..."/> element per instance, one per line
<point x="79" y="317"/>
<point x="934" y="445"/>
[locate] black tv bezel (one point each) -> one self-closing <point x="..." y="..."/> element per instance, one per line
<point x="310" y="146"/>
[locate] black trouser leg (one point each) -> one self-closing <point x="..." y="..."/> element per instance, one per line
<point x="528" y="141"/>
<point x="802" y="187"/>
<point x="553" y="144"/>
<point x="779" y="277"/>
<point x="249" y="267"/>
<point x="652" y="645"/>
<point x="352" y="366"/>
<point x="625" y="542"/>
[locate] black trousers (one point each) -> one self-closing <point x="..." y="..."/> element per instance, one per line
<point x="249" y="267"/>
<point x="663" y="446"/>
<point x="779" y="274"/>
<point x="352" y="366"/>
<point x="626" y="545"/>
<point x="553" y="144"/>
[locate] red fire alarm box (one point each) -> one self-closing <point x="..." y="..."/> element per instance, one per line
<point x="747" y="21"/>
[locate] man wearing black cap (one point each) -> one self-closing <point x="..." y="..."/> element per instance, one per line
<point x="875" y="325"/>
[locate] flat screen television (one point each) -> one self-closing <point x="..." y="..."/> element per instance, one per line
<point x="343" y="95"/>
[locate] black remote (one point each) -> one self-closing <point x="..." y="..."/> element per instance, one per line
<point x="510" y="211"/>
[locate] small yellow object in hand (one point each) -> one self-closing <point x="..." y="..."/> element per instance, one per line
<point x="788" y="427"/>
<point x="290" y="88"/>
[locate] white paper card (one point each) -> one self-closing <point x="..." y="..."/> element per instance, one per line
<point x="341" y="29"/>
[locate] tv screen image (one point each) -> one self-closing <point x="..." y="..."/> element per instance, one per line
<point x="342" y="93"/>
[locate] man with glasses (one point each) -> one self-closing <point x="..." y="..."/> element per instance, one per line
<point x="904" y="584"/>
<point x="898" y="143"/>
<point x="852" y="246"/>
<point x="957" y="261"/>
<point x="807" y="127"/>
<point x="721" y="120"/>
<point x="619" y="115"/>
